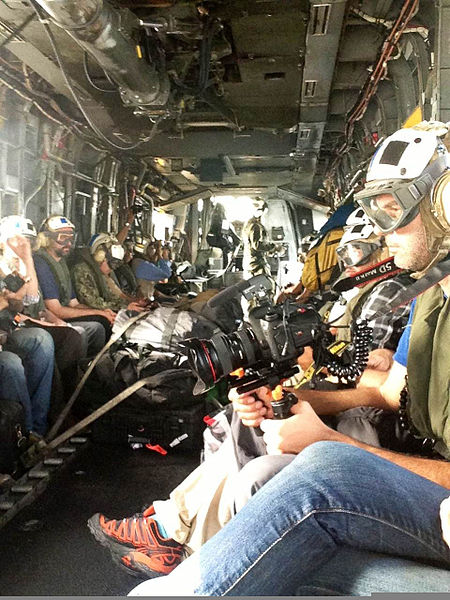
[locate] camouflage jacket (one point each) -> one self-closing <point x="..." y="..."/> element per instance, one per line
<point x="88" y="290"/>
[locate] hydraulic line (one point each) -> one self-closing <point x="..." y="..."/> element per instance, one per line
<point x="409" y="9"/>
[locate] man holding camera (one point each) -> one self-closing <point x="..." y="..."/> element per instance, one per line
<point x="341" y="502"/>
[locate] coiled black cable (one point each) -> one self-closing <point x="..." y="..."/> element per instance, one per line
<point x="362" y="338"/>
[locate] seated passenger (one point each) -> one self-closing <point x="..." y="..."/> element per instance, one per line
<point x="93" y="275"/>
<point x="203" y="502"/>
<point x="359" y="250"/>
<point x="124" y="273"/>
<point x="151" y="268"/>
<point x="16" y="236"/>
<point x="321" y="268"/>
<point x="27" y="356"/>
<point x="56" y="238"/>
<point x="338" y="494"/>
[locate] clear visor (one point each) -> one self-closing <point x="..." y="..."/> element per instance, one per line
<point x="387" y="213"/>
<point x="393" y="203"/>
<point x="62" y="239"/>
<point x="355" y="253"/>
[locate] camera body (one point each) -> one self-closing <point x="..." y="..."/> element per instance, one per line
<point x="12" y="283"/>
<point x="267" y="348"/>
<point x="286" y="329"/>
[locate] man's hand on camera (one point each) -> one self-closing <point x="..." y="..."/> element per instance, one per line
<point x="292" y="435"/>
<point x="252" y="407"/>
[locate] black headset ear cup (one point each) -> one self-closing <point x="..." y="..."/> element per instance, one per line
<point x="99" y="255"/>
<point x="440" y="201"/>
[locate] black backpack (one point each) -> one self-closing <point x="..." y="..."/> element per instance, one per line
<point x="12" y="435"/>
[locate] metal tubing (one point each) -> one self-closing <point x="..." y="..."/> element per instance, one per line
<point x="96" y="26"/>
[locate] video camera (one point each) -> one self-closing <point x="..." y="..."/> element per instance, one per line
<point x="268" y="349"/>
<point x="12" y="283"/>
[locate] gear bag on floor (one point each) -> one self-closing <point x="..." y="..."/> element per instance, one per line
<point x="164" y="327"/>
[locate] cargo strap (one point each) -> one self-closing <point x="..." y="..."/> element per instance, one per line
<point x="97" y="413"/>
<point x="54" y="430"/>
<point x="169" y="328"/>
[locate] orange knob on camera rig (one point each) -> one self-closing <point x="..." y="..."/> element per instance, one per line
<point x="282" y="402"/>
<point x="238" y="372"/>
<point x="277" y="393"/>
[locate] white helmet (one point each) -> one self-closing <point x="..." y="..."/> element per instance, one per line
<point x="55" y="223"/>
<point x="359" y="241"/>
<point x="105" y="245"/>
<point x="401" y="173"/>
<point x="16" y="225"/>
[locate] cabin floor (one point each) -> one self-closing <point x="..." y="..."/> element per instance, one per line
<point x="47" y="549"/>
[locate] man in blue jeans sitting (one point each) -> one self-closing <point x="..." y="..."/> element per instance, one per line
<point x="26" y="373"/>
<point x="344" y="517"/>
<point x="27" y="356"/>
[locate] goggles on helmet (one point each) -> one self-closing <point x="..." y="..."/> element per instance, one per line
<point x="62" y="239"/>
<point x="390" y="204"/>
<point x="355" y="253"/>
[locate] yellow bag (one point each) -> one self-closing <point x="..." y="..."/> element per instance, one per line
<point x="321" y="260"/>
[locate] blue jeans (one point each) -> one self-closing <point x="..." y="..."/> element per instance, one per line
<point x="92" y="334"/>
<point x="332" y="496"/>
<point x="26" y="373"/>
<point x="357" y="573"/>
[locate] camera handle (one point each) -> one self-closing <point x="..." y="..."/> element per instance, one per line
<point x="281" y="402"/>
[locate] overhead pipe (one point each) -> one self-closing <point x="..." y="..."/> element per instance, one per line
<point x="96" y="27"/>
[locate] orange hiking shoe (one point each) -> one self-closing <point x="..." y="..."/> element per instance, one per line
<point x="148" y="564"/>
<point x="138" y="534"/>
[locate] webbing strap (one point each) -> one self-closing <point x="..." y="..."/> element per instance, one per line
<point x="169" y="328"/>
<point x="383" y="269"/>
<point x="433" y="276"/>
<point x="115" y="336"/>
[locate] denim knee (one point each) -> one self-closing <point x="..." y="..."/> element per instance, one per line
<point x="33" y="340"/>
<point x="44" y="342"/>
<point x="10" y="365"/>
<point x="255" y="474"/>
<point x="320" y="456"/>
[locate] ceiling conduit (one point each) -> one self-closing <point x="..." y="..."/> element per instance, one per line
<point x="96" y="27"/>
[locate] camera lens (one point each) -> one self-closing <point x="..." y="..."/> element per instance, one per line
<point x="215" y="358"/>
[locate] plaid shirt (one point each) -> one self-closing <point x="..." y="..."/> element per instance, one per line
<point x="387" y="329"/>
